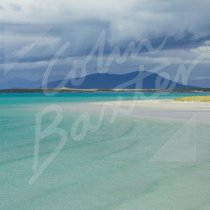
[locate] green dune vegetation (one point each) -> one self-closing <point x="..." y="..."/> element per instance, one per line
<point x="194" y="99"/>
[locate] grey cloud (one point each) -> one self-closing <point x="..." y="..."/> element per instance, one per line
<point x="127" y="19"/>
<point x="52" y="23"/>
<point x="15" y="7"/>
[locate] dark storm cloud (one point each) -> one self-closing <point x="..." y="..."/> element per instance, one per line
<point x="33" y="31"/>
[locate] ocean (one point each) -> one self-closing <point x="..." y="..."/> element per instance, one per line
<point x="91" y="159"/>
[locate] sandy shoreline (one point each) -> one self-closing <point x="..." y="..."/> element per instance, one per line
<point x="165" y="109"/>
<point x="168" y="104"/>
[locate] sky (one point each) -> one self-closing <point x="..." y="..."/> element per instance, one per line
<point x="171" y="38"/>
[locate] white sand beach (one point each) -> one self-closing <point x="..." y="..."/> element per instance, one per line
<point x="168" y="104"/>
<point x="165" y="109"/>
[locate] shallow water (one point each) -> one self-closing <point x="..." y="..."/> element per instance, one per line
<point x="37" y="98"/>
<point x="128" y="162"/>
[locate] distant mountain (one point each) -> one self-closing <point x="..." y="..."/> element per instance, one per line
<point x="134" y="80"/>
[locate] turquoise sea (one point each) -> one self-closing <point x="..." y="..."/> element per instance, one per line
<point x="34" y="98"/>
<point x="145" y="160"/>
